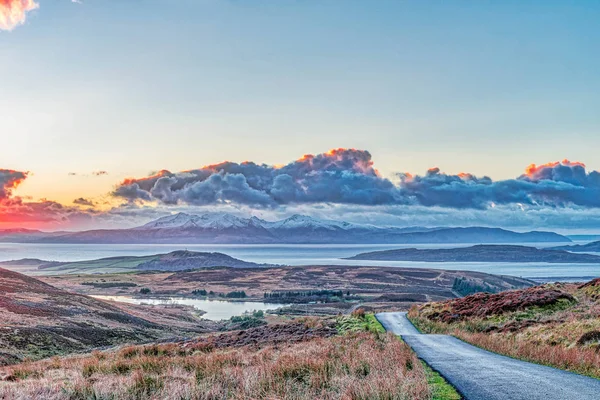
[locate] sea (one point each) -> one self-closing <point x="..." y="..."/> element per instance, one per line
<point x="296" y="255"/>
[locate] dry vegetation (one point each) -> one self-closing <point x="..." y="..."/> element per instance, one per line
<point x="556" y="325"/>
<point x="39" y="320"/>
<point x="414" y="284"/>
<point x="356" y="365"/>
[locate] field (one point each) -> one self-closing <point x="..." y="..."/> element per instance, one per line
<point x="554" y="324"/>
<point x="356" y="364"/>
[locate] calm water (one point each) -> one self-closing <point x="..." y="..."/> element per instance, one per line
<point x="215" y="309"/>
<point x="295" y="255"/>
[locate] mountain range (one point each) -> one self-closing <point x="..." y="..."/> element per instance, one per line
<point x="215" y="228"/>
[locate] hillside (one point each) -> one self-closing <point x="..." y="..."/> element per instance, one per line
<point x="347" y="358"/>
<point x="39" y="320"/>
<point x="552" y="324"/>
<point x="180" y="260"/>
<point x="298" y="229"/>
<point x="480" y="253"/>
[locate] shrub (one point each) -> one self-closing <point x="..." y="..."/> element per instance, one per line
<point x="238" y="294"/>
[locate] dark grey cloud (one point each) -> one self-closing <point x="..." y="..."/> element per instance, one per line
<point x="347" y="176"/>
<point x="9" y="180"/>
<point x="84" y="202"/>
<point x="100" y="173"/>
<point x="556" y="185"/>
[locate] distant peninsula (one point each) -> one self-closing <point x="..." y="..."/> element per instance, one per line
<point x="181" y="260"/>
<point x="593" y="247"/>
<point x="480" y="253"/>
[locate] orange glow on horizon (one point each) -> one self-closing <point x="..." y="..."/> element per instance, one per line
<point x="465" y="175"/>
<point x="159" y="174"/>
<point x="532" y="169"/>
<point x="306" y="157"/>
<point x="407" y="176"/>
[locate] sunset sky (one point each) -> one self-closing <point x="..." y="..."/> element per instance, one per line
<point x="99" y="96"/>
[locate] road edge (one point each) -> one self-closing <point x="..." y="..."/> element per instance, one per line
<point x="446" y="381"/>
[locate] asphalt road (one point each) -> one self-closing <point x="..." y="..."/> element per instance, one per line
<point x="481" y="375"/>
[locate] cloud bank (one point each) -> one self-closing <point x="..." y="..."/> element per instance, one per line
<point x="557" y="184"/>
<point x="347" y="176"/>
<point x="338" y="176"/>
<point x="14" y="12"/>
<point x="341" y="184"/>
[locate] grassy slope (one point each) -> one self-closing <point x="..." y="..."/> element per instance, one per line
<point x="552" y="335"/>
<point x="105" y="265"/>
<point x="355" y="365"/>
<point x="38" y="320"/>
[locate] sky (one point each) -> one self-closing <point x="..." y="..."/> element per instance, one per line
<point x="97" y="95"/>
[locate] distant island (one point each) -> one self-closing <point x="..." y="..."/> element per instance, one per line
<point x="181" y="260"/>
<point x="225" y="228"/>
<point x="593" y="247"/>
<point x="480" y="253"/>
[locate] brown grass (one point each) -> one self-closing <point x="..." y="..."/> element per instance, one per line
<point x="581" y="360"/>
<point x="553" y="335"/>
<point x="354" y="366"/>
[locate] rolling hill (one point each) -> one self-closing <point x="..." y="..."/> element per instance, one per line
<point x="39" y="320"/>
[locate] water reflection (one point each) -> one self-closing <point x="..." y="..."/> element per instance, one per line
<point x="215" y="309"/>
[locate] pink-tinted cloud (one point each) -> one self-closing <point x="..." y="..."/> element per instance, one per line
<point x="16" y="211"/>
<point x="14" y="12"/>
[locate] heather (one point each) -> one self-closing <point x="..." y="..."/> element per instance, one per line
<point x="553" y="324"/>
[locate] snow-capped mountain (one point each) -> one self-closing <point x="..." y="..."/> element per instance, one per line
<point x="226" y="228"/>
<point x="203" y="221"/>
<point x="230" y="221"/>
<point x="305" y="222"/>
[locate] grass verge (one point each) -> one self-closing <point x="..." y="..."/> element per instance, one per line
<point x="359" y="321"/>
<point x="440" y="388"/>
